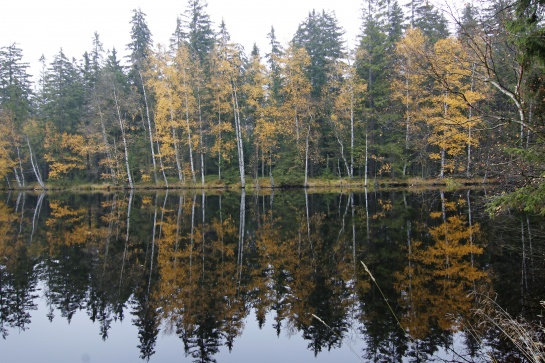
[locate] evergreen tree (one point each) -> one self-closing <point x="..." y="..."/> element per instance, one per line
<point x="427" y="18"/>
<point x="273" y="59"/>
<point x="321" y="36"/>
<point x="15" y="86"/>
<point x="178" y="37"/>
<point x="141" y="41"/>
<point x="198" y="29"/>
<point x="63" y="90"/>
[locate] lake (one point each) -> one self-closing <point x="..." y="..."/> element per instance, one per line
<point x="242" y="277"/>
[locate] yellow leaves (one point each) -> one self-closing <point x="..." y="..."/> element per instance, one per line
<point x="65" y="152"/>
<point x="8" y="139"/>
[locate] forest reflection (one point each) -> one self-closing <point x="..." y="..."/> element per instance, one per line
<point x="199" y="265"/>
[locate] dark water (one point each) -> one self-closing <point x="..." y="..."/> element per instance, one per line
<point x="227" y="277"/>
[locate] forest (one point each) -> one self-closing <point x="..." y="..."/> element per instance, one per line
<point x="426" y="93"/>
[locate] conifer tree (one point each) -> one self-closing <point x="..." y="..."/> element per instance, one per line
<point x="321" y="36"/>
<point x="198" y="29"/>
<point x="15" y="86"/>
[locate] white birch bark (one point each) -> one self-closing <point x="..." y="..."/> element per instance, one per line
<point x="149" y="128"/>
<point x="238" y="133"/>
<point x="122" y="128"/>
<point x="34" y="166"/>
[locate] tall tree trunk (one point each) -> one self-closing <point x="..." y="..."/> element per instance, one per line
<point x="161" y="161"/>
<point x="177" y="155"/>
<point x="175" y="142"/>
<point x="238" y="132"/>
<point x="35" y="166"/>
<point x="149" y="128"/>
<point x="366" y="161"/>
<point x="122" y="128"/>
<point x="469" y="129"/>
<point x="351" y="173"/>
<point x="21" y="167"/>
<point x="189" y="142"/>
<point x="407" y="126"/>
<point x="306" y="156"/>
<point x="201" y="152"/>
<point x="270" y="170"/>
<point x="105" y="140"/>
<point x="442" y="172"/>
<point x="19" y="184"/>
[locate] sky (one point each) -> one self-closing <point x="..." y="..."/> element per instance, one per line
<point x="45" y="26"/>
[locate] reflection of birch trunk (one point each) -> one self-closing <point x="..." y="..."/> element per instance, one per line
<point x="126" y="238"/>
<point x="122" y="128"/>
<point x="470" y="221"/>
<point x="36" y="214"/>
<point x="308" y="226"/>
<point x="444" y="214"/>
<point x="149" y="128"/>
<point x="353" y="233"/>
<point x="367" y="211"/>
<point x="531" y="248"/>
<point x="221" y="234"/>
<point x="22" y="214"/>
<point x="35" y="166"/>
<point x="343" y="220"/>
<point x="524" y="279"/>
<point x="178" y="226"/>
<point x="152" y="241"/>
<point x="109" y="234"/>
<point x="241" y="231"/>
<point x="203" y="209"/>
<point x="191" y="237"/>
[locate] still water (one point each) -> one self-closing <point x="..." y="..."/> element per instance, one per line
<point x="230" y="277"/>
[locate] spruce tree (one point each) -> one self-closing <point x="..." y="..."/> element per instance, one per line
<point x="273" y="60"/>
<point x="198" y="29"/>
<point x="15" y="87"/>
<point x="321" y="36"/>
<point x="63" y="90"/>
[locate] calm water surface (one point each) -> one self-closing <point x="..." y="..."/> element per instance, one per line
<point x="193" y="277"/>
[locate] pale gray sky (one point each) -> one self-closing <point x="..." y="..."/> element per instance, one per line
<point x="44" y="26"/>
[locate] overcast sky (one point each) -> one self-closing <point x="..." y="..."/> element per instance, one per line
<point x="44" y="26"/>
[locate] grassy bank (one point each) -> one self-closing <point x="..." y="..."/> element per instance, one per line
<point x="212" y="183"/>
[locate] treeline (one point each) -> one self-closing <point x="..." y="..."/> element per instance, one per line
<point x="417" y="97"/>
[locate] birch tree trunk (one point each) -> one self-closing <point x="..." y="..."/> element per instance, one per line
<point x="34" y="166"/>
<point x="189" y="135"/>
<point x="201" y="153"/>
<point x="306" y="157"/>
<point x="149" y="128"/>
<point x="21" y="167"/>
<point x="122" y="128"/>
<point x="238" y="133"/>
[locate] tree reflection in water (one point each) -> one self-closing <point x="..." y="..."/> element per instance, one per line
<point x="198" y="266"/>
